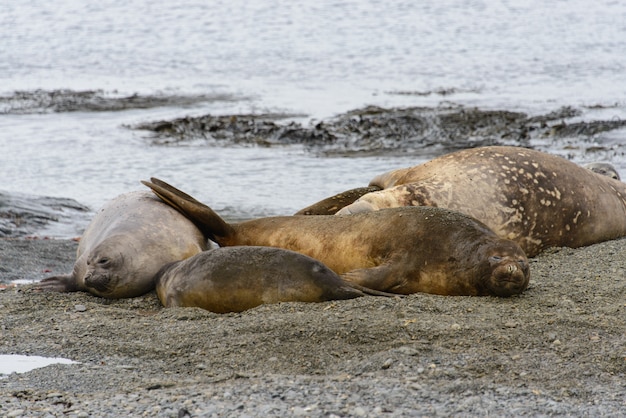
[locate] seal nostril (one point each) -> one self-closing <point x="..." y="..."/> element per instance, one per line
<point x="512" y="268"/>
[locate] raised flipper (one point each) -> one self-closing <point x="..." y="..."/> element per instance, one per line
<point x="209" y="222"/>
<point x="331" y="205"/>
<point x="172" y="189"/>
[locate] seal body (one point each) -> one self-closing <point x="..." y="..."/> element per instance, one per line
<point x="400" y="250"/>
<point x="535" y="199"/>
<point x="233" y="279"/>
<point x="126" y="244"/>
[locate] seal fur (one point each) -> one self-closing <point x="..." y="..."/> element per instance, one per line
<point x="535" y="199"/>
<point x="401" y="250"/>
<point x="125" y="245"/>
<point x="234" y="279"/>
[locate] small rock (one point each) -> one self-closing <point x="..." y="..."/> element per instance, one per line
<point x="387" y="364"/>
<point x="80" y="308"/>
<point x="359" y="412"/>
<point x="299" y="411"/>
<point x="406" y="350"/>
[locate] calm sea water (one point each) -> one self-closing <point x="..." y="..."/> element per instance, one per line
<point x="318" y="57"/>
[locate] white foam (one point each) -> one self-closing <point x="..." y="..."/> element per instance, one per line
<point x="17" y="363"/>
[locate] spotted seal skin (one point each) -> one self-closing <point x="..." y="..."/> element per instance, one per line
<point x="401" y="250"/>
<point x="604" y="169"/>
<point x="234" y="279"/>
<point x="535" y="199"/>
<point x="125" y="245"/>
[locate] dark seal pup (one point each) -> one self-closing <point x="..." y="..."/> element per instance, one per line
<point x="401" y="250"/>
<point x="233" y="279"/>
<point x="535" y="199"/>
<point x="125" y="245"/>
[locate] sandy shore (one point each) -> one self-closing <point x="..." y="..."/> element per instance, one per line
<point x="558" y="349"/>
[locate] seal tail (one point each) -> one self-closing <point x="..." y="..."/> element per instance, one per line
<point x="209" y="222"/>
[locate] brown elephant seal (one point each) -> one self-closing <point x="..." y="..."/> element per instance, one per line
<point x="233" y="279"/>
<point x="535" y="199"/>
<point x="125" y="245"/>
<point x="401" y="250"/>
<point x="604" y="169"/>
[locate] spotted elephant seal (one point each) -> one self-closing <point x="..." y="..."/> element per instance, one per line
<point x="125" y="245"/>
<point x="233" y="279"/>
<point x="400" y="250"/>
<point x="333" y="204"/>
<point x="535" y="199"/>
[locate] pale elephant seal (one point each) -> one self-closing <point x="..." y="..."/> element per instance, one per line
<point x="401" y="250"/>
<point x="604" y="169"/>
<point x="535" y="199"/>
<point x="233" y="279"/>
<point x="125" y="245"/>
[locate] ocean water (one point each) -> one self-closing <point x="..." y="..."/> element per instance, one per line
<point x="317" y="58"/>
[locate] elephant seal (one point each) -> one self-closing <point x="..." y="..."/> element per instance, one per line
<point x="535" y="199"/>
<point x="234" y="279"/>
<point x="125" y="245"/>
<point x="604" y="169"/>
<point x="332" y="205"/>
<point x="400" y="250"/>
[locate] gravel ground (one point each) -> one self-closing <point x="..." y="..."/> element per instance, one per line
<point x="557" y="350"/>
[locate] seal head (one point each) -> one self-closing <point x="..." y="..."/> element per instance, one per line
<point x="604" y="169"/>
<point x="125" y="245"/>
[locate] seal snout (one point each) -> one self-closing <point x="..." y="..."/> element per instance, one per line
<point x="509" y="276"/>
<point x="97" y="281"/>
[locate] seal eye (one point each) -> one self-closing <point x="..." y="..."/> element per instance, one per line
<point x="495" y="259"/>
<point x="103" y="262"/>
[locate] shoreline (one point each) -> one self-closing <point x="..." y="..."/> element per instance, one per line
<point x="557" y="349"/>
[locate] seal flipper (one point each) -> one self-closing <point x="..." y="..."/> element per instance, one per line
<point x="333" y="204"/>
<point x="64" y="283"/>
<point x="209" y="222"/>
<point x="172" y="189"/>
<point x="378" y="278"/>
<point x="370" y="292"/>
